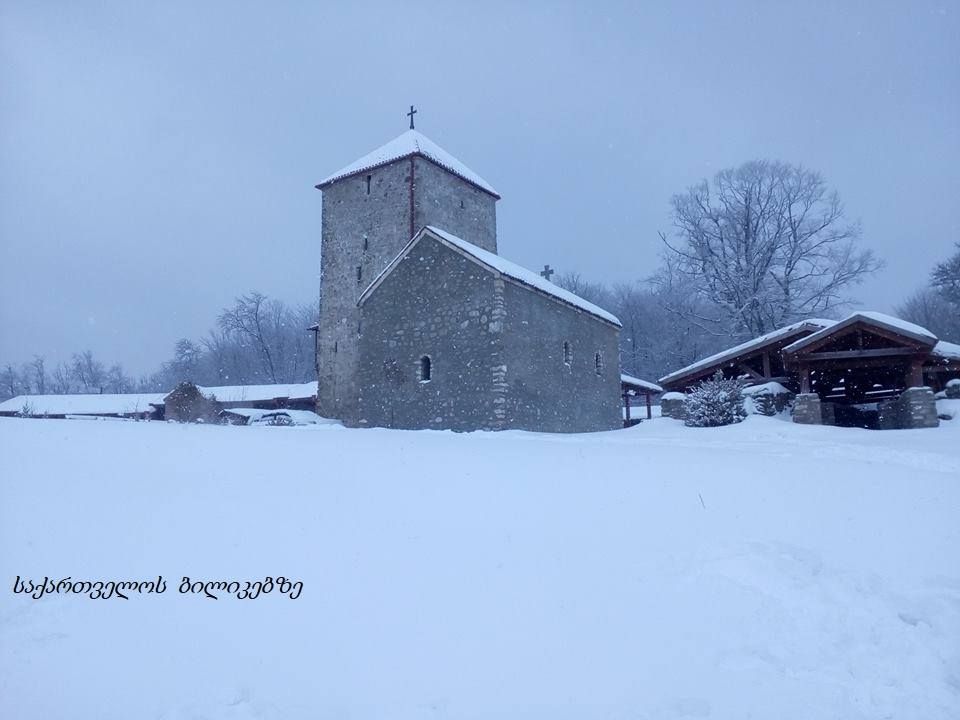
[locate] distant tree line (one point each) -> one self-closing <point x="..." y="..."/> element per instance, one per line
<point x="82" y="374"/>
<point x="937" y="306"/>
<point x="256" y="340"/>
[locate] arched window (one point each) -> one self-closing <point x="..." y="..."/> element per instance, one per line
<point x="567" y="353"/>
<point x="598" y="361"/>
<point x="425" y="369"/>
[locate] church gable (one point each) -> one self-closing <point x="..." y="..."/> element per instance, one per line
<point x="527" y="279"/>
<point x="429" y="342"/>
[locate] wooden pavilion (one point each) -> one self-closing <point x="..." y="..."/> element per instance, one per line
<point x="868" y="369"/>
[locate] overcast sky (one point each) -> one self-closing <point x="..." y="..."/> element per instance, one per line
<point x="158" y="159"/>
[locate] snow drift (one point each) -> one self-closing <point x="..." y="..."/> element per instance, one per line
<point x="761" y="570"/>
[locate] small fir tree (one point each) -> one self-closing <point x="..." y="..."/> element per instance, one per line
<point x="715" y="402"/>
<point x="765" y="404"/>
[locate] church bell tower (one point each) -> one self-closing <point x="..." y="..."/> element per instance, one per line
<point x="371" y="209"/>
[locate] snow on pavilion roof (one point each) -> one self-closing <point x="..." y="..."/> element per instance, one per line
<point x="637" y="382"/>
<point x="881" y="320"/>
<point x="812" y="325"/>
<point x="946" y="350"/>
<point x="410" y="143"/>
<point x="494" y="262"/>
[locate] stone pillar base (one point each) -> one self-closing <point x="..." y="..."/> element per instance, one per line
<point x="915" y="408"/>
<point x="919" y="408"/>
<point x="807" y="410"/>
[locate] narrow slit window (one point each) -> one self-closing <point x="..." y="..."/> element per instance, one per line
<point x="598" y="361"/>
<point x="567" y="353"/>
<point x="359" y="273"/>
<point x="366" y="243"/>
<point x="368" y="184"/>
<point x="426" y="369"/>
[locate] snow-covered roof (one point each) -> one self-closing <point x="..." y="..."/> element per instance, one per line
<point x="637" y="382"/>
<point x="410" y="143"/>
<point x="259" y="393"/>
<point x="100" y="404"/>
<point x="948" y="350"/>
<point x="495" y="263"/>
<point x="811" y="325"/>
<point x="768" y="388"/>
<point x="887" y="322"/>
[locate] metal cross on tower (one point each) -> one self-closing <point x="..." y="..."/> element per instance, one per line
<point x="547" y="272"/>
<point x="413" y="111"/>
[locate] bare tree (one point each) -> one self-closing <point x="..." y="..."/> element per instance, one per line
<point x="117" y="381"/>
<point x="62" y="379"/>
<point x="945" y="278"/>
<point x="933" y="311"/>
<point x="766" y="244"/>
<point x="88" y="372"/>
<point x="250" y="318"/>
<point x="10" y="384"/>
<point x="39" y="373"/>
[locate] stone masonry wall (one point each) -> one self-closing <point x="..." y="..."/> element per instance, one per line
<point x="366" y="231"/>
<point x="807" y="410"/>
<point x="439" y="304"/>
<point x="545" y="393"/>
<point x="449" y="203"/>
<point x="915" y="408"/>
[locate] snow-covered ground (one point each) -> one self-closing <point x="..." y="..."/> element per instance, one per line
<point x="765" y="570"/>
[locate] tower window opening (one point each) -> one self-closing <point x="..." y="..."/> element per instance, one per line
<point x="366" y="242"/>
<point x="368" y="184"/>
<point x="462" y="205"/>
<point x="598" y="362"/>
<point x="359" y="273"/>
<point x="567" y="353"/>
<point x="426" y="369"/>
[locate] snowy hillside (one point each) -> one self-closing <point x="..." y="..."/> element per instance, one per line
<point x="765" y="570"/>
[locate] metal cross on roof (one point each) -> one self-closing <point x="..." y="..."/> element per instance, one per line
<point x="547" y="272"/>
<point x="413" y="111"/>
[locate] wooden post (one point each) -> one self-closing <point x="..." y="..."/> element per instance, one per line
<point x="767" y="373"/>
<point x="649" y="411"/>
<point x="626" y="404"/>
<point x="915" y="374"/>
<point x="804" y="379"/>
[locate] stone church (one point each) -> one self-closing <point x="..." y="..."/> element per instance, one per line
<point x="423" y="324"/>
